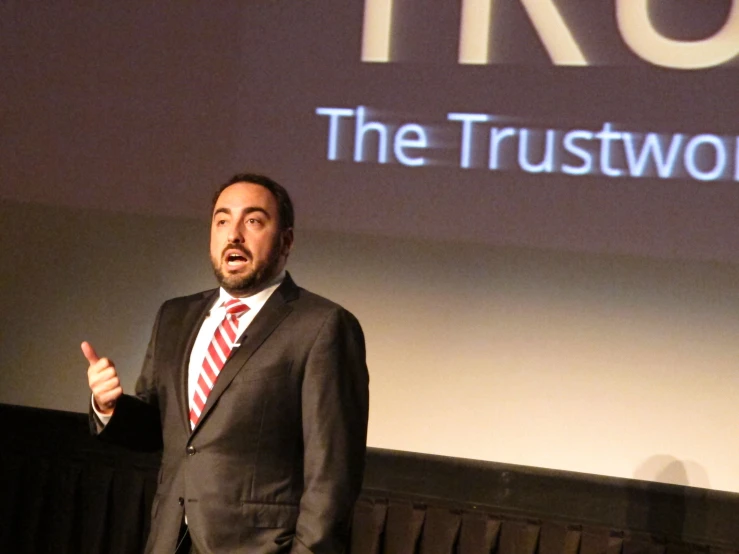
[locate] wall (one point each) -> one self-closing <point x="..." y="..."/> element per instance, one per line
<point x="609" y="365"/>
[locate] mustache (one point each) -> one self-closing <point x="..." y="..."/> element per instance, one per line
<point x="238" y="247"/>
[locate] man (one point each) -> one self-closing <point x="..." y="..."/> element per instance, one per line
<point x="266" y="453"/>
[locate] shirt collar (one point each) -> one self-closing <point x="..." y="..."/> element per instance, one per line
<point x="255" y="300"/>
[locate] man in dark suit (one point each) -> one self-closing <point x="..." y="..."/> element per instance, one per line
<point x="266" y="453"/>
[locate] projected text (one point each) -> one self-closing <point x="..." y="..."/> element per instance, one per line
<point x="496" y="143"/>
<point x="559" y="36"/>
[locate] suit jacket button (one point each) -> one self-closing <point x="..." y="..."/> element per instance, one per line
<point x="190" y="450"/>
<point x="181" y="501"/>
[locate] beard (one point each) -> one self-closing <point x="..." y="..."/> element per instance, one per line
<point x="254" y="278"/>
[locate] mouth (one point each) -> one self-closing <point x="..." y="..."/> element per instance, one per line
<point x="235" y="259"/>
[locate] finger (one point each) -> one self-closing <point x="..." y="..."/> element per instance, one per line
<point x="106" y="378"/>
<point x="104" y="388"/>
<point x="89" y="352"/>
<point x="107" y="399"/>
<point x="101" y="366"/>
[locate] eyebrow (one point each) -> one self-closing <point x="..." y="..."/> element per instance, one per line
<point x="247" y="211"/>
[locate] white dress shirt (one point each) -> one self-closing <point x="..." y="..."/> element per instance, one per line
<point x="212" y="320"/>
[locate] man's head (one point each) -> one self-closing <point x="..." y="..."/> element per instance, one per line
<point x="251" y="233"/>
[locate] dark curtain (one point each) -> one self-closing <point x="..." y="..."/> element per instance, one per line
<point x="63" y="491"/>
<point x="74" y="506"/>
<point x="391" y="526"/>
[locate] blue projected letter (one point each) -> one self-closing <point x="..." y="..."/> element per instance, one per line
<point x="467" y="120"/>
<point x="580" y="152"/>
<point x="547" y="162"/>
<point x="690" y="155"/>
<point x="606" y="136"/>
<point x="359" y="134"/>
<point x="496" y="137"/>
<point x="652" y="147"/>
<point x="401" y="142"/>
<point x="333" y="127"/>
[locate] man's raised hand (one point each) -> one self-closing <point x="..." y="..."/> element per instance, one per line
<point x="103" y="379"/>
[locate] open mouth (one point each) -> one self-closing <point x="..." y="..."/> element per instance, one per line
<point x="235" y="259"/>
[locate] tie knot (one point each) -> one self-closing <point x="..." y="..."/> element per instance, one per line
<point x="235" y="307"/>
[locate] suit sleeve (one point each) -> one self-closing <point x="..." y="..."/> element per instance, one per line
<point x="335" y="404"/>
<point x="135" y="423"/>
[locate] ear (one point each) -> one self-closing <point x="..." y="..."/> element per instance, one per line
<point x="287" y="242"/>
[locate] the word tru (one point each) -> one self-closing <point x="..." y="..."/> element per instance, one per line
<point x="559" y="36"/>
<point x="374" y="136"/>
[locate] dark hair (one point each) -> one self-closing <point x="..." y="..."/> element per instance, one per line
<point x="284" y="204"/>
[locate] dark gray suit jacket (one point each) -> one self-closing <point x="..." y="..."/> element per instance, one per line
<point x="275" y="463"/>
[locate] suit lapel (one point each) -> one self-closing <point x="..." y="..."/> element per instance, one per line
<point x="266" y="321"/>
<point x="191" y="323"/>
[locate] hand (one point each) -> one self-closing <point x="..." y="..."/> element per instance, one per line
<point x="103" y="380"/>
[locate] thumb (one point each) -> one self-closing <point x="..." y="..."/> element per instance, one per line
<point x="89" y="352"/>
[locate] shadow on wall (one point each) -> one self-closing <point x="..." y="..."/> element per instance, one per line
<point x="663" y="468"/>
<point x="669" y="509"/>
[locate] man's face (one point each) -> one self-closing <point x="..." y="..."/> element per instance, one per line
<point x="247" y="246"/>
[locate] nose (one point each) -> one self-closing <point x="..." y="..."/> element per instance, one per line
<point x="235" y="235"/>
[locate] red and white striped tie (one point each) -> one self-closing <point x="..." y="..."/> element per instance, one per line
<point x="217" y="354"/>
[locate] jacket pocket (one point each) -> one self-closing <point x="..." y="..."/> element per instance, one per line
<point x="256" y="514"/>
